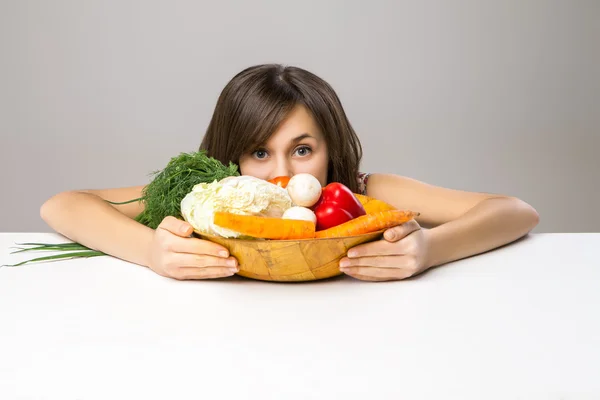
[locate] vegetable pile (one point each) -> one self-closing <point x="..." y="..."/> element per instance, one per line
<point x="311" y="212"/>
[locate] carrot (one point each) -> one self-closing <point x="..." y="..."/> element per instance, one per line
<point x="280" y="181"/>
<point x="265" y="227"/>
<point x="368" y="223"/>
<point x="372" y="205"/>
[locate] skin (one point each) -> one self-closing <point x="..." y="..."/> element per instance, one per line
<point x="452" y="224"/>
<point x="298" y="146"/>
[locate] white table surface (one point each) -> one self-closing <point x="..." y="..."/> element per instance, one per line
<point x="521" y="322"/>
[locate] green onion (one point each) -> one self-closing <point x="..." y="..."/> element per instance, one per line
<point x="72" y="250"/>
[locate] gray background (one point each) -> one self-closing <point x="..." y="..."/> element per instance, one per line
<point x="485" y="96"/>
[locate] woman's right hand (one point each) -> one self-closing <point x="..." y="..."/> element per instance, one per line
<point x="175" y="254"/>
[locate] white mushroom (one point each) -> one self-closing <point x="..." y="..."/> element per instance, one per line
<point x="301" y="213"/>
<point x="304" y="190"/>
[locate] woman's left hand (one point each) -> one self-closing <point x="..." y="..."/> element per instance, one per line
<point x="402" y="253"/>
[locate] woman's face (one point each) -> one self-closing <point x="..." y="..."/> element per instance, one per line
<point x="298" y="146"/>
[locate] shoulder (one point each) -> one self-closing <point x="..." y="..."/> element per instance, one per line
<point x="362" y="179"/>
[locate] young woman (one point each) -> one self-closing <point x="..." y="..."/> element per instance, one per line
<point x="274" y="121"/>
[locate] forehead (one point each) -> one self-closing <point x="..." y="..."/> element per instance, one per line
<point x="298" y="122"/>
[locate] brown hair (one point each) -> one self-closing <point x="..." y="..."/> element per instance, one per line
<point x="255" y="102"/>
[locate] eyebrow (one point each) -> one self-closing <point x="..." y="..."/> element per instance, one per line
<point x="303" y="136"/>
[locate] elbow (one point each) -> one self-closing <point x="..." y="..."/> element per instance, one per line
<point x="531" y="215"/>
<point x="535" y="216"/>
<point x="527" y="214"/>
<point x="46" y="210"/>
<point x="51" y="207"/>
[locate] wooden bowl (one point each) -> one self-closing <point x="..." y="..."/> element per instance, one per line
<point x="291" y="260"/>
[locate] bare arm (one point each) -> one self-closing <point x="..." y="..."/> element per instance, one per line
<point x="85" y="217"/>
<point x="462" y="223"/>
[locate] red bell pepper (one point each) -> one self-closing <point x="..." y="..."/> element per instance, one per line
<point x="336" y="206"/>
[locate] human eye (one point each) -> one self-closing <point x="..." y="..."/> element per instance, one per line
<point x="303" y="151"/>
<point x="260" y="154"/>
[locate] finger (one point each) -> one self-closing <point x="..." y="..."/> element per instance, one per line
<point x="185" y="273"/>
<point x="377" y="273"/>
<point x="194" y="245"/>
<point x="377" y="248"/>
<point x="400" y="231"/>
<point x="389" y="262"/>
<point x="176" y="226"/>
<point x="177" y="260"/>
<point x="369" y="278"/>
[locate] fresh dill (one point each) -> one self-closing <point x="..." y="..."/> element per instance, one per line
<point x="162" y="197"/>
